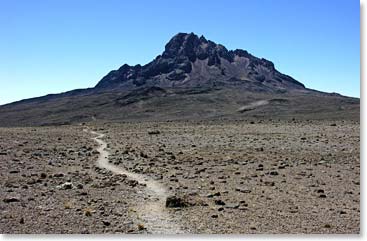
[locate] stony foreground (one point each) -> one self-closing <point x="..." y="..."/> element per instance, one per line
<point x="222" y="177"/>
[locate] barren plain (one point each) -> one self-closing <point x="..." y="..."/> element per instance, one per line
<point x="268" y="176"/>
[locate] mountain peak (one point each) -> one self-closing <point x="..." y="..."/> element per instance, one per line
<point x="190" y="61"/>
<point x="194" y="47"/>
<point x="183" y="44"/>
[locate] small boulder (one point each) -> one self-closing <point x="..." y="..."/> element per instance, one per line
<point x="11" y="200"/>
<point x="156" y="132"/>
<point x="66" y="186"/>
<point x="59" y="174"/>
<point x="274" y="173"/>
<point x="176" y="202"/>
<point x="219" y="202"/>
<point x="106" y="222"/>
<point x="217" y="194"/>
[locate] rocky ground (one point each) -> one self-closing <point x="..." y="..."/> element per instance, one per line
<point x="222" y="177"/>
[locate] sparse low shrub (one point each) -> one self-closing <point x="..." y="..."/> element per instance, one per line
<point x="68" y="205"/>
<point x="88" y="212"/>
<point x="141" y="226"/>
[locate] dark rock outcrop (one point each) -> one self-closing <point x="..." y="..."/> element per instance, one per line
<point x="192" y="61"/>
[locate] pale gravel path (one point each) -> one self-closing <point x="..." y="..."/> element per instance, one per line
<point x="153" y="213"/>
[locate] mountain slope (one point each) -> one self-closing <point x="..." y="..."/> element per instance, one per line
<point x="193" y="78"/>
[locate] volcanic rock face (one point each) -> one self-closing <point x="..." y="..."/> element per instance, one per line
<point x="192" y="61"/>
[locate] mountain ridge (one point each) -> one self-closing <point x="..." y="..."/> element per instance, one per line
<point x="190" y="61"/>
<point x="193" y="79"/>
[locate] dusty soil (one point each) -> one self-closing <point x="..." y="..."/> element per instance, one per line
<point x="219" y="177"/>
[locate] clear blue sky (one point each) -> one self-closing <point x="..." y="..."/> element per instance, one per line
<point x="54" y="46"/>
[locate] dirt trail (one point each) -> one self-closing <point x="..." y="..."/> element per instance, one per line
<point x="153" y="213"/>
<point x="253" y="105"/>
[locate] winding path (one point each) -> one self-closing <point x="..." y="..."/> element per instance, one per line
<point x="153" y="213"/>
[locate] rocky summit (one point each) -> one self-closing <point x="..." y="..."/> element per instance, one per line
<point x="192" y="61"/>
<point x="193" y="79"/>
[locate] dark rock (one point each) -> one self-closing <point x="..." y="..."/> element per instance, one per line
<point x="156" y="132"/>
<point x="176" y="202"/>
<point x="217" y="194"/>
<point x="267" y="183"/>
<point x="142" y="154"/>
<point x="274" y="173"/>
<point x="131" y="183"/>
<point x="106" y="222"/>
<point x="11" y="200"/>
<point x="219" y="202"/>
<point x="66" y="186"/>
<point x="59" y="174"/>
<point x="214" y="60"/>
